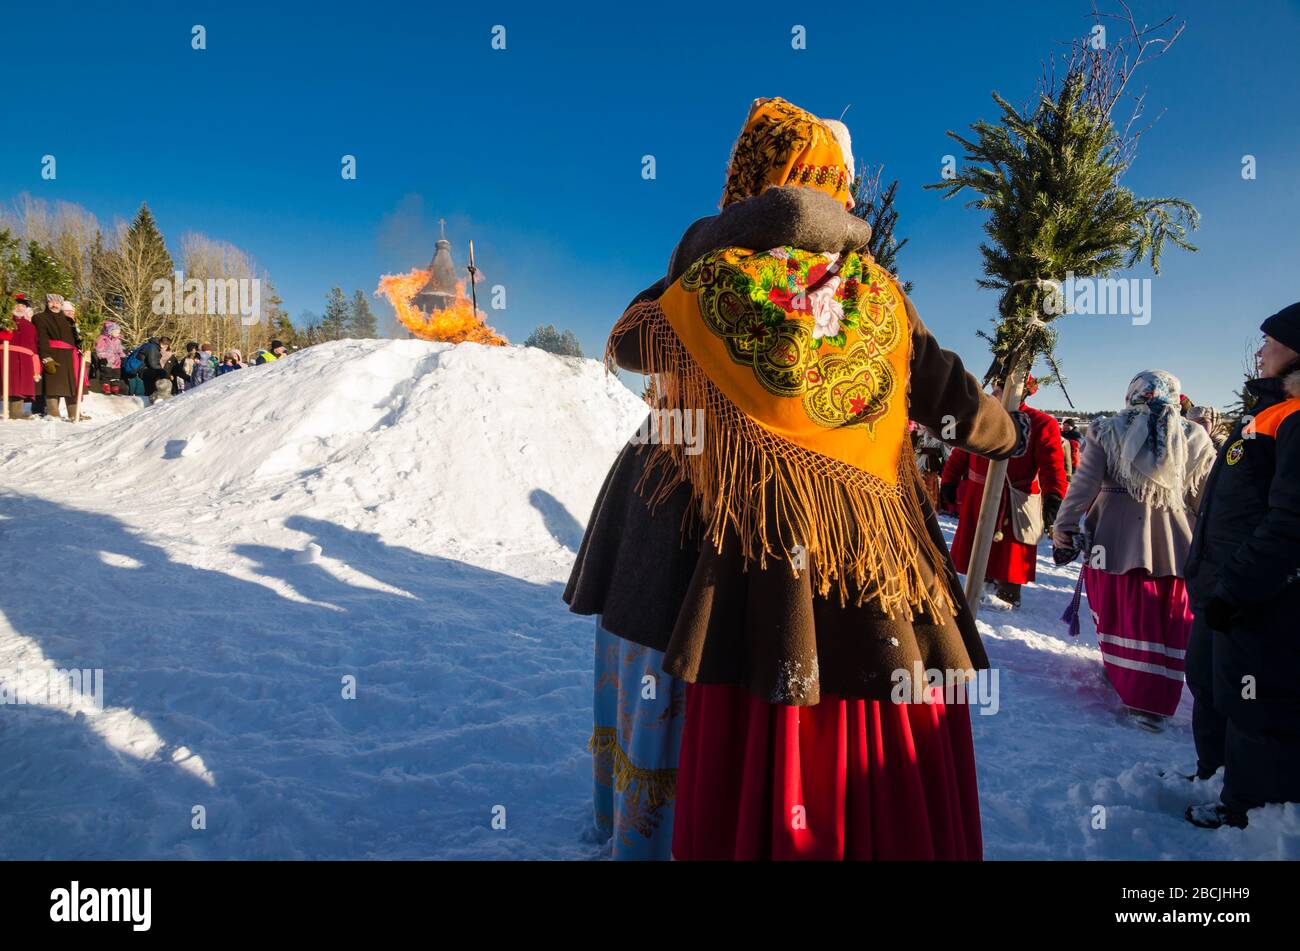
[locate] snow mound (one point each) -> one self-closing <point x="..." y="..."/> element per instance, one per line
<point x="462" y="447"/>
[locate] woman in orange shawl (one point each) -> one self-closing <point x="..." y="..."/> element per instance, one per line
<point x="783" y="560"/>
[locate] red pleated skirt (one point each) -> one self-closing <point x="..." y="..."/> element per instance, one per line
<point x="845" y="779"/>
<point x="1143" y="627"/>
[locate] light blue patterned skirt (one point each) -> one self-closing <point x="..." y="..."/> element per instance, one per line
<point x="639" y="711"/>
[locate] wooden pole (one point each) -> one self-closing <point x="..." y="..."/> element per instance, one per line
<point x="990" y="502"/>
<point x="473" y="280"/>
<point x="6" y="380"/>
<point x="81" y="386"/>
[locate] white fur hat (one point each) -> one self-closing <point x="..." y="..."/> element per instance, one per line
<point x="841" y="133"/>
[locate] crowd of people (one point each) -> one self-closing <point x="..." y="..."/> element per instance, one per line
<point x="759" y="593"/>
<point x="46" y="362"/>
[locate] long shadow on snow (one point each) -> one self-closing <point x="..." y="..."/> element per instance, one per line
<point x="473" y="691"/>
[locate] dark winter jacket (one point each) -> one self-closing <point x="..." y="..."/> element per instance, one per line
<point x="1246" y="550"/>
<point x="152" y="369"/>
<point x="152" y="355"/>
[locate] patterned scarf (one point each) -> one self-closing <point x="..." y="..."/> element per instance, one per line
<point x="800" y="361"/>
<point x="1150" y="449"/>
<point x="782" y="144"/>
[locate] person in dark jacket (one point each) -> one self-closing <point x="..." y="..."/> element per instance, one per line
<point x="274" y="352"/>
<point x="153" y="369"/>
<point x="1243" y="575"/>
<point x="60" y="361"/>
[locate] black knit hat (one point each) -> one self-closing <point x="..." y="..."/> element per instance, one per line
<point x="1284" y="327"/>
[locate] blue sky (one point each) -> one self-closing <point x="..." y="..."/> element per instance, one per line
<point x="535" y="151"/>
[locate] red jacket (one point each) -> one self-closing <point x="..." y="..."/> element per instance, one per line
<point x="23" y="367"/>
<point x="1040" y="468"/>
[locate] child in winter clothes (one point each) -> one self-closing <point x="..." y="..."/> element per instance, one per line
<point x="205" y="366"/>
<point x="109" y="354"/>
<point x="233" y="360"/>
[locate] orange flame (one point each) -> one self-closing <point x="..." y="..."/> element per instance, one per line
<point x="458" y="323"/>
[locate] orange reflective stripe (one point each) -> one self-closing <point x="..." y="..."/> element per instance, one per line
<point x="1268" y="421"/>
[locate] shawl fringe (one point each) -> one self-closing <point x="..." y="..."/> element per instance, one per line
<point x="860" y="535"/>
<point x="653" y="787"/>
<point x="1140" y="485"/>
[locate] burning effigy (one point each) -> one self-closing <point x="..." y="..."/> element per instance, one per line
<point x="431" y="303"/>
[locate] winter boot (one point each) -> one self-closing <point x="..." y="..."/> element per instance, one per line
<point x="105" y="388"/>
<point x="1009" y="593"/>
<point x="1215" y="815"/>
<point x="1150" y="722"/>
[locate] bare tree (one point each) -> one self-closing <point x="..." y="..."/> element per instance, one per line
<point x="217" y="264"/>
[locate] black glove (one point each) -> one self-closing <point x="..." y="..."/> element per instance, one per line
<point x="948" y="493"/>
<point x="1219" y="614"/>
<point x="1051" y="505"/>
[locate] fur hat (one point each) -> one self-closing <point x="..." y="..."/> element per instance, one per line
<point x="841" y="133"/>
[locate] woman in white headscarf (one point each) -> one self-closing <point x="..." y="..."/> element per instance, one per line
<point x="1137" y="490"/>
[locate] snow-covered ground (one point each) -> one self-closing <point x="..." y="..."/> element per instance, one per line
<point x="405" y="514"/>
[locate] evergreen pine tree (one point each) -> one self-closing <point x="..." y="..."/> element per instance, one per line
<point x="334" y="322"/>
<point x="278" y="325"/>
<point x="361" y="320"/>
<point x="875" y="205"/>
<point x="10" y="265"/>
<point x="1049" y="177"/>
<point x="40" y="273"/>
<point x="551" y="340"/>
<point x="124" y="278"/>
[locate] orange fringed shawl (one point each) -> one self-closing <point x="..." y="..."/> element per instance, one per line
<point x="800" y="363"/>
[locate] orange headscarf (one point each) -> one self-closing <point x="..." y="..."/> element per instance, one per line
<point x="782" y="144"/>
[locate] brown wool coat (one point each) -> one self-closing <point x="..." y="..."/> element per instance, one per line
<point x="721" y="620"/>
<point x="53" y="325"/>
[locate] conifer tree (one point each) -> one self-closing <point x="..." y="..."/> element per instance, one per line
<point x="1049" y="178"/>
<point x="334" y="322"/>
<point x="361" y="319"/>
<point x="124" y="275"/>
<point x="874" y="204"/>
<point x="550" y="339"/>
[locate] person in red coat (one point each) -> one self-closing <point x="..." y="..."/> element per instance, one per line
<point x="24" y="364"/>
<point x="1039" y="469"/>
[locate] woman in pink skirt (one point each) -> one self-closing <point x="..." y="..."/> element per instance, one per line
<point x="1137" y="491"/>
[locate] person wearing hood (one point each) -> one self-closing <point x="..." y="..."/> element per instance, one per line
<point x="1137" y="493"/>
<point x="205" y="366"/>
<point x="233" y="360"/>
<point x="762" y="558"/>
<point x="109" y="354"/>
<point x="24" y="363"/>
<point x="1243" y="575"/>
<point x="1208" y="417"/>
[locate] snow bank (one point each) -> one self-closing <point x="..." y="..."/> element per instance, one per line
<point x="325" y="598"/>
<point x="467" y="450"/>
